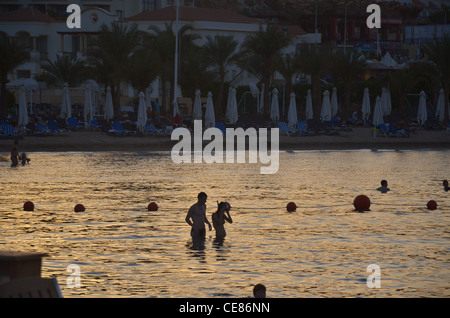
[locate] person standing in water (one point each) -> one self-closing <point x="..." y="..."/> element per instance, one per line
<point x="14" y="154"/>
<point x="196" y="217"/>
<point x="218" y="219"/>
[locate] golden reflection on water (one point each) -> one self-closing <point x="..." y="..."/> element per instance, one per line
<point x="321" y="250"/>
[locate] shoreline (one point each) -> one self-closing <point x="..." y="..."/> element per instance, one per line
<point x="358" y="138"/>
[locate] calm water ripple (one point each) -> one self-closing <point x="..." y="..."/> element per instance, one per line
<point x="321" y="250"/>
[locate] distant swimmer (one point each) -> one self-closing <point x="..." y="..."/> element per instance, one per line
<point x="219" y="217"/>
<point x="445" y="184"/>
<point x="384" y="187"/>
<point x="196" y="217"/>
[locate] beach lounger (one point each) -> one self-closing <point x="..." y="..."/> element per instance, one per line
<point x="73" y="123"/>
<point x="8" y="130"/>
<point x="118" y="129"/>
<point x="283" y="126"/>
<point x="31" y="287"/>
<point x="149" y="128"/>
<point x="94" y="124"/>
<point x="40" y="128"/>
<point x="396" y="132"/>
<point x="302" y="128"/>
<point x="53" y="126"/>
<point x="221" y="127"/>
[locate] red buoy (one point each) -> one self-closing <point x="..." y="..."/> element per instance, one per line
<point x="291" y="207"/>
<point x="28" y="206"/>
<point x="361" y="203"/>
<point x="79" y="208"/>
<point x="432" y="205"/>
<point x="152" y="206"/>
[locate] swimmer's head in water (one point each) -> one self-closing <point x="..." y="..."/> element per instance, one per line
<point x="384" y="183"/>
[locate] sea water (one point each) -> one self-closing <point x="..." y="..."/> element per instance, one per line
<point x="323" y="249"/>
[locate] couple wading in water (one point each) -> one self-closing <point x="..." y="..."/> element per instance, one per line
<point x="196" y="218"/>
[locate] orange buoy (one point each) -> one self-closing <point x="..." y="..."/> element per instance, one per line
<point x="432" y="205"/>
<point x="79" y="208"/>
<point x="291" y="206"/>
<point x="28" y="206"/>
<point x="361" y="203"/>
<point x="152" y="206"/>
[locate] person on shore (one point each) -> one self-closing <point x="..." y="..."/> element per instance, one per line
<point x="259" y="291"/>
<point x="384" y="187"/>
<point x="218" y="219"/>
<point x="445" y="184"/>
<point x="15" y="154"/>
<point x="196" y="218"/>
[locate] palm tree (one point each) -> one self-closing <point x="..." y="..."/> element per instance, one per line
<point x="65" y="69"/>
<point x="313" y="60"/>
<point x="111" y="53"/>
<point x="348" y="67"/>
<point x="220" y="53"/>
<point x="162" y="42"/>
<point x="11" y="56"/>
<point x="439" y="53"/>
<point x="142" y="68"/>
<point x="287" y="66"/>
<point x="401" y="83"/>
<point x="267" y="44"/>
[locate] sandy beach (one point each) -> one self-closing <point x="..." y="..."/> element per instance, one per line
<point x="358" y="138"/>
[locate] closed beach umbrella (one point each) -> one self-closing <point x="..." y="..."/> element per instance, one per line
<point x="109" y="108"/>
<point x="274" y="106"/>
<point x="377" y="113"/>
<point x="334" y="102"/>
<point x="233" y="113"/>
<point x="325" y="113"/>
<point x="365" y="109"/>
<point x="422" y="111"/>
<point x="23" y="113"/>
<point x="66" y="105"/>
<point x="142" y="113"/>
<point x="292" y="113"/>
<point x="176" y="109"/>
<point x="309" y="107"/>
<point x="210" y="120"/>
<point x="440" y="107"/>
<point x="197" y="110"/>
<point x="88" y="107"/>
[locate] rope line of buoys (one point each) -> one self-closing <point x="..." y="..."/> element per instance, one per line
<point x="361" y="203"/>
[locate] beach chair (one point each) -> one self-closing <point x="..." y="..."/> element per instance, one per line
<point x="383" y="130"/>
<point x="94" y="124"/>
<point x="283" y="126"/>
<point x="42" y="129"/>
<point x="221" y="127"/>
<point x="119" y="130"/>
<point x="8" y="129"/>
<point x="302" y="128"/>
<point x="149" y="128"/>
<point x="73" y="123"/>
<point x="53" y="126"/>
<point x="31" y="287"/>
